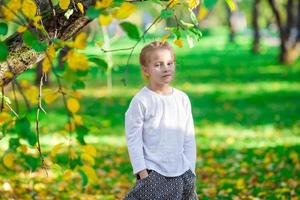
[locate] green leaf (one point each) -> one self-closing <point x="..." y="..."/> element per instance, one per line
<point x="62" y="158"/>
<point x="3" y="28"/>
<point x="131" y="30"/>
<point x="31" y="40"/>
<point x="69" y="13"/>
<point x="94" y="71"/>
<point x="93" y="12"/>
<point x="176" y="32"/>
<point x="99" y="62"/>
<point x="193" y="17"/>
<point x="166" y="13"/>
<point x="75" y="162"/>
<point x="23" y="129"/>
<point x="84" y="178"/>
<point x="189" y="25"/>
<point x="158" y="2"/>
<point x="196" y="32"/>
<point x="32" y="162"/>
<point x="210" y="3"/>
<point x="3" y="51"/>
<point x="14" y="143"/>
<point x="78" y="84"/>
<point x="81" y="132"/>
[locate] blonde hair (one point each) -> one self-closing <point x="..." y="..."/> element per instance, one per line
<point x="149" y="48"/>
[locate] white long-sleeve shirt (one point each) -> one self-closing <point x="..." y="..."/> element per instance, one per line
<point x="160" y="132"/>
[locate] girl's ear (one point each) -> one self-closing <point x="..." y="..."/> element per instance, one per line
<point x="145" y="70"/>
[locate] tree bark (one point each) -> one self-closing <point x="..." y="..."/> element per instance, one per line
<point x="255" y="47"/>
<point x="22" y="57"/>
<point x="289" y="42"/>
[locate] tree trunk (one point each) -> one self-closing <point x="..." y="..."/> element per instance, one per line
<point x="230" y="25"/>
<point x="255" y="47"/>
<point x="21" y="57"/>
<point x="289" y="41"/>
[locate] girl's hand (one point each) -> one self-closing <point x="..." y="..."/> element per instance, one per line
<point x="143" y="174"/>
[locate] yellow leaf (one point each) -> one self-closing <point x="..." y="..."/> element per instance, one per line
<point x="73" y="105"/>
<point x="39" y="187"/>
<point x="51" y="97"/>
<point x="90" y="173"/>
<point x="78" y="119"/>
<point x="56" y="149"/>
<point x="51" y="52"/>
<point x="89" y="149"/>
<point x="8" y="160"/>
<point x="294" y="157"/>
<point x="80" y="41"/>
<point x="76" y="94"/>
<point x="29" y="8"/>
<point x="231" y="5"/>
<point x="8" y="74"/>
<point x="67" y="175"/>
<point x="104" y="20"/>
<point x="13" y="5"/>
<point x="100" y="43"/>
<point x="202" y="12"/>
<point x="88" y="158"/>
<point x="64" y="4"/>
<point x="22" y="28"/>
<point x="46" y="65"/>
<point x="163" y="39"/>
<point x="73" y="153"/>
<point x="103" y="4"/>
<point x="172" y="3"/>
<point x="77" y="61"/>
<point x="25" y="84"/>
<point x="80" y="7"/>
<point x="240" y="184"/>
<point x="32" y="94"/>
<point x="24" y="148"/>
<point x="193" y="3"/>
<point x="178" y="42"/>
<point x="124" y="11"/>
<point x="70" y="126"/>
<point x="168" y="28"/>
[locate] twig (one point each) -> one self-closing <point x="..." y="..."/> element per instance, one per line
<point x="2" y="98"/>
<point x="12" y="110"/>
<point x="112" y="50"/>
<point x="15" y="96"/>
<point x="37" y="124"/>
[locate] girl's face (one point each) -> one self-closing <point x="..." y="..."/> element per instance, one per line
<point x="161" y="67"/>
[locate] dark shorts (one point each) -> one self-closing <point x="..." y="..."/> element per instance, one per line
<point x="159" y="187"/>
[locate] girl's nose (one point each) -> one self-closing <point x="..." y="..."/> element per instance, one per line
<point x="165" y="66"/>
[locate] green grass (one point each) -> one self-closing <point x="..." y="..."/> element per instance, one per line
<point x="246" y="113"/>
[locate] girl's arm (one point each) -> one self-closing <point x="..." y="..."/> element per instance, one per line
<point x="189" y="139"/>
<point x="134" y="118"/>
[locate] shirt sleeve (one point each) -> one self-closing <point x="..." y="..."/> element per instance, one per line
<point x="134" y="118"/>
<point x="189" y="139"/>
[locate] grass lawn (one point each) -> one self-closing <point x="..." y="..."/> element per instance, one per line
<point x="246" y="114"/>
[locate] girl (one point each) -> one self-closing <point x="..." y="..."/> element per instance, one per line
<point x="160" y="133"/>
